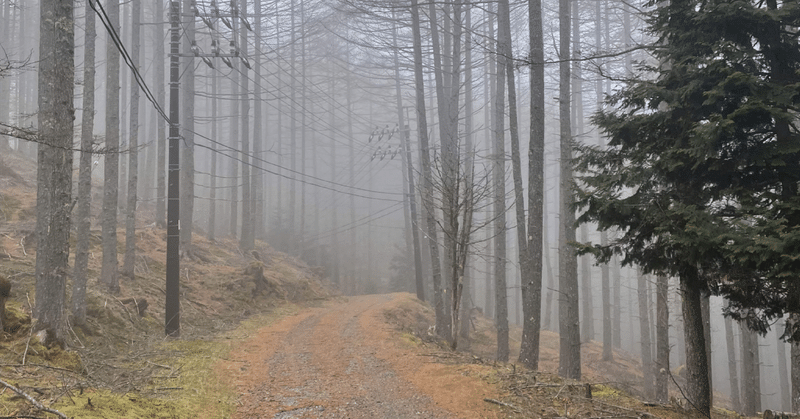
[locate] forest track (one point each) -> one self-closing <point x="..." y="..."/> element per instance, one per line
<point x="343" y="360"/>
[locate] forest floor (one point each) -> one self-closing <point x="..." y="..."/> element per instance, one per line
<point x="297" y="349"/>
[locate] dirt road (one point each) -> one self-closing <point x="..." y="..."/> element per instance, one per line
<point x="344" y="361"/>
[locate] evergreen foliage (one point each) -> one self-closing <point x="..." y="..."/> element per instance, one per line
<point x="703" y="162"/>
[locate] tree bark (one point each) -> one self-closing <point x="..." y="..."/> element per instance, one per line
<point x="532" y="283"/>
<point x="662" y="339"/>
<point x="732" y="366"/>
<point x="751" y="381"/>
<point x="108" y="273"/>
<point x="257" y="173"/>
<point x="794" y="357"/>
<point x="644" y="332"/>
<point x="447" y="139"/>
<point x="247" y="238"/>
<point x="568" y="308"/>
<point x="212" y="200"/>
<point x="697" y="387"/>
<point x="83" y="206"/>
<point x="129" y="262"/>
<point x="706" y="306"/>
<point x="427" y="181"/>
<point x="783" y="369"/>
<point x="499" y="183"/>
<point x="54" y="175"/>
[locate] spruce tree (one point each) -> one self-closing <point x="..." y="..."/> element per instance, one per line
<point x="701" y="171"/>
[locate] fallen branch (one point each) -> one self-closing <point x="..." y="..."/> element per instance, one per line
<point x="501" y="403"/>
<point x="33" y="401"/>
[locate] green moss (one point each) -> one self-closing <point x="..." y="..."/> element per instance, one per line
<point x="104" y="404"/>
<point x="605" y="392"/>
<point x="410" y="339"/>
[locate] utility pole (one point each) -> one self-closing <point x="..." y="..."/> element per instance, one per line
<point x="172" y="318"/>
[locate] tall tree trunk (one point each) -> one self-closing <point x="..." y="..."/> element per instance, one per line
<point x="466" y="299"/>
<point x="447" y="138"/>
<point x="293" y="132"/>
<point x="129" y="262"/>
<point x="257" y="173"/>
<point x="5" y="82"/>
<point x="706" y="306"/>
<point x="783" y="369"/>
<point x="334" y="208"/>
<point x="697" y="387"/>
<point x="108" y="273"/>
<point x="532" y="282"/>
<point x="54" y="175"/>
<point x="608" y="354"/>
<point x="568" y="308"/>
<point x="83" y="210"/>
<point x="427" y="181"/>
<point x="233" y="129"/>
<point x="499" y="181"/>
<point x="732" y="365"/>
<point x="406" y="153"/>
<point x="212" y="201"/>
<point x="505" y="50"/>
<point x="662" y="338"/>
<point x="587" y="315"/>
<point x="247" y="237"/>
<point x="751" y="381"/>
<point x="794" y="357"/>
<point x="644" y="332"/>
<point x="616" y="305"/>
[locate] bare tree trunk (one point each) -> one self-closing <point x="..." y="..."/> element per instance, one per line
<point x="548" y="324"/>
<point x="133" y="156"/>
<point x="427" y="181"/>
<point x="292" y="131"/>
<point x="109" y="274"/>
<point x="732" y="365"/>
<point x="83" y="210"/>
<point x="608" y="354"/>
<point x="644" y="331"/>
<point x="5" y="82"/>
<point x="616" y="305"/>
<point x="505" y="50"/>
<point x="212" y="201"/>
<point x="443" y="321"/>
<point x="466" y="299"/>
<point x="587" y="315"/>
<point x="233" y="130"/>
<point x="499" y="181"/>
<point x="408" y="167"/>
<point x="54" y="175"/>
<point x="662" y="338"/>
<point x="568" y="308"/>
<point x="247" y="237"/>
<point x="257" y="182"/>
<point x="532" y="282"/>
